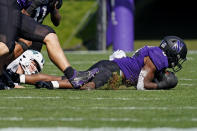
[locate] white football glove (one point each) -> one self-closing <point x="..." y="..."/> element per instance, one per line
<point x="117" y="55"/>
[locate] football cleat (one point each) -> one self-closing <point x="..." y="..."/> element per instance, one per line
<point x="82" y="77"/>
<point x="44" y="84"/>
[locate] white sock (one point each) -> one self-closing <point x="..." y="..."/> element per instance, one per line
<point x="22" y="78"/>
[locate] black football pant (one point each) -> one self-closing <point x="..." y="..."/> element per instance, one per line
<point x="13" y="23"/>
<point x="9" y="19"/>
<point x="106" y="69"/>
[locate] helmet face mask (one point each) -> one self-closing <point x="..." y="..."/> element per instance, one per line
<point x="176" y="51"/>
<point x="30" y="67"/>
<point x="178" y="66"/>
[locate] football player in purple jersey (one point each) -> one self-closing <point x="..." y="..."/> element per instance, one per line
<point x="146" y="69"/>
<point x="14" y="24"/>
<point x="38" y="10"/>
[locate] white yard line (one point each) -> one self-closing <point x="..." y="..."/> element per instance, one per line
<point x="105" y="108"/>
<point x="192" y="52"/>
<point x="11" y="108"/>
<point x="144" y="108"/>
<point x="70" y="119"/>
<point x="185" y="84"/>
<point x="32" y="97"/>
<point x="187" y="79"/>
<point x="117" y="98"/>
<point x="98" y="129"/>
<point x="79" y="98"/>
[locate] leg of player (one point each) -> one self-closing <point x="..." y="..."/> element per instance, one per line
<point x="9" y="17"/>
<point x="106" y="69"/>
<point x="3" y="52"/>
<point x="20" y="47"/>
<point x="42" y="33"/>
<point x="55" y="51"/>
<point x="60" y="60"/>
<point x="3" y="49"/>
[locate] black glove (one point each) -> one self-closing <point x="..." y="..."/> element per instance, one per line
<point x="44" y="84"/>
<point x="14" y="76"/>
<point x="55" y="4"/>
<point x="59" y="4"/>
<point x="7" y="79"/>
<point x="166" y="80"/>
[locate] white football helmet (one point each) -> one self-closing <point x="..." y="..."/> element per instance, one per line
<point x="32" y="62"/>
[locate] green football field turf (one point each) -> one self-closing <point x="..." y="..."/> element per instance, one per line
<point x="130" y="108"/>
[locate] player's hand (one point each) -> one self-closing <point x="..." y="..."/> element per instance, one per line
<point x="19" y="87"/>
<point x="14" y="76"/>
<point x="168" y="81"/>
<point x="58" y="4"/>
<point x="25" y="12"/>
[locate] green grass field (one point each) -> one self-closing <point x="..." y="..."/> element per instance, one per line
<point x="115" y="109"/>
<point x="72" y="14"/>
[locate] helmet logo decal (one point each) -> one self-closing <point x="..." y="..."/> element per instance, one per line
<point x="177" y="46"/>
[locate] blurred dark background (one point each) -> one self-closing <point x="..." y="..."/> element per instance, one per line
<point x="156" y="18"/>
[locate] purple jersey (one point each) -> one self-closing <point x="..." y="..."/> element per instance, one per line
<point x="39" y="13"/>
<point x="24" y="4"/>
<point x="131" y="66"/>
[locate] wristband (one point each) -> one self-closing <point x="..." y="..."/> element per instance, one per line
<point x="22" y="78"/>
<point x="55" y="84"/>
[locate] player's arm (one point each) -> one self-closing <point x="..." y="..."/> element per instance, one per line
<point x="25" y="12"/>
<point x="32" y="79"/>
<point x="62" y="84"/>
<point x="55" y="15"/>
<point x="146" y="76"/>
<point x="145" y="80"/>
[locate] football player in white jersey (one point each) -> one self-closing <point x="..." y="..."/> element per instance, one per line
<point x="27" y="67"/>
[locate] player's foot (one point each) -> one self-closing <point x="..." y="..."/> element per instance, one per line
<point x="81" y="77"/>
<point x="88" y="86"/>
<point x="44" y="84"/>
